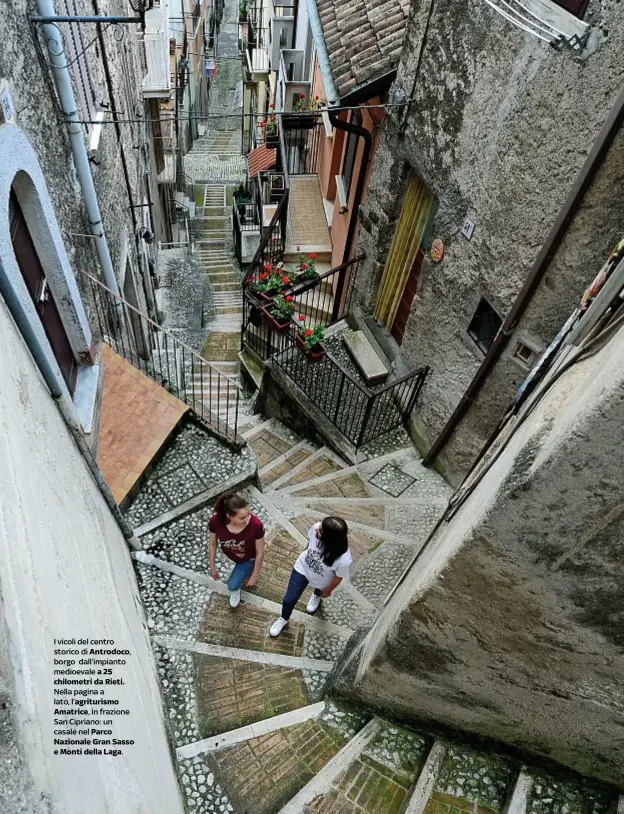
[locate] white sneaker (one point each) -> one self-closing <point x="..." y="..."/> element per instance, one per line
<point x="313" y="604"/>
<point x="277" y="626"/>
<point x="234" y="599"/>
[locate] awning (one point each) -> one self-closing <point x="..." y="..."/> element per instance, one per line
<point x="260" y="160"/>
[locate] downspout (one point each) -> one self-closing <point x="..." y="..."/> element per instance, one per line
<point x="333" y="97"/>
<point x="58" y="393"/>
<point x="54" y="42"/>
<point x="593" y="162"/>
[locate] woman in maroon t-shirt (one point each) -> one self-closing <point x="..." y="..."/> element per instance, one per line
<point x="241" y="536"/>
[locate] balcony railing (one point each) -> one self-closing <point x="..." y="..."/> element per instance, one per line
<point x="211" y="395"/>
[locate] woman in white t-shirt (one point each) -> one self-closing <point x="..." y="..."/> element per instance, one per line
<point x="324" y="564"/>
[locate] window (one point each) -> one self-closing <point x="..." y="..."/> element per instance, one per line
<point x="525" y="355"/>
<point x="576" y="7"/>
<point x="350" y="153"/>
<point x="484" y="325"/>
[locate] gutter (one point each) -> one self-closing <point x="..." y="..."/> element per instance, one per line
<point x="58" y="60"/>
<point x="65" y="405"/>
<point x="333" y="97"/>
<point x="605" y="138"/>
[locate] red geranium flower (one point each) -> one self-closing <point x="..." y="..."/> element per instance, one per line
<point x="302" y="95"/>
<point x="272" y="105"/>
<point x="285" y="280"/>
<point x="264" y="275"/>
<point x="301" y="318"/>
<point x="313" y="256"/>
<point x="289" y="299"/>
<point x="308" y="332"/>
<point x="303" y="266"/>
<point x="261" y="124"/>
<point x="316" y="98"/>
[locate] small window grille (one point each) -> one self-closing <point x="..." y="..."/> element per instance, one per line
<point x="484" y="325"/>
<point x="525" y="354"/>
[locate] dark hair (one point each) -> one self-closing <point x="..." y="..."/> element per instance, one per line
<point x="334" y="539"/>
<point x="229" y="503"/>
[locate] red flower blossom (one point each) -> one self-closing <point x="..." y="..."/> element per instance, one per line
<point x="261" y="124"/>
<point x="267" y="266"/>
<point x="308" y="332"/>
<point x="264" y="275"/>
<point x="316" y="98"/>
<point x="285" y="280"/>
<point x="289" y="299"/>
<point x="272" y="105"/>
<point x="303" y="266"/>
<point x="302" y="95"/>
<point x="313" y="256"/>
<point x="301" y="318"/>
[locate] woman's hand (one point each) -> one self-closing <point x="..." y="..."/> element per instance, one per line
<point x="252" y="581"/>
<point x="214" y="574"/>
<point x="326" y="593"/>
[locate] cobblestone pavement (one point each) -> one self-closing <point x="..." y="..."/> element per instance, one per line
<point x="224" y="679"/>
<point x="248" y="715"/>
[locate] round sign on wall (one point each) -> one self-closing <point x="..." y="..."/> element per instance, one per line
<point x="437" y="250"/>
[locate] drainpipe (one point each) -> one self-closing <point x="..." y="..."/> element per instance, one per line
<point x="362" y="133"/>
<point x="593" y="162"/>
<point x="54" y="42"/>
<point x="333" y="97"/>
<point x="58" y="393"/>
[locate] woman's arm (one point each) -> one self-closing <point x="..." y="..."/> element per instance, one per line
<point x="253" y="579"/>
<point x="212" y="553"/>
<point x="332" y="586"/>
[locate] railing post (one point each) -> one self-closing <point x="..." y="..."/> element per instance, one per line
<point x="367" y="412"/>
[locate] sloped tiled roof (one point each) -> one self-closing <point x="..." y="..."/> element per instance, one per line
<point x="363" y="38"/>
<point x="260" y="160"/>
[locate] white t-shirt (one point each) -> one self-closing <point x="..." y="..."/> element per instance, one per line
<point x="310" y="563"/>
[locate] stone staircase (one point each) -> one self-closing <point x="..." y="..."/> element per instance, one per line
<point x="252" y="726"/>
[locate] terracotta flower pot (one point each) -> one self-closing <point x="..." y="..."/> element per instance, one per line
<point x="278" y="327"/>
<point x="314" y="355"/>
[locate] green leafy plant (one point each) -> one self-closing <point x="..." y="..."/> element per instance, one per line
<point x="269" y="281"/>
<point x="311" y="337"/>
<point x="306" y="266"/>
<point x="242" y="194"/>
<point x="282" y="307"/>
<point x="312" y="104"/>
<point x="269" y="125"/>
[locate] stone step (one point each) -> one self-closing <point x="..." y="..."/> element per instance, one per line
<point x="363" y="354"/>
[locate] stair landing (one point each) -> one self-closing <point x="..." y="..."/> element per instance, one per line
<point x="308" y="223"/>
<point x="138" y="416"/>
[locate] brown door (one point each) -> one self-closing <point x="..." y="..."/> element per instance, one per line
<point x="37" y="285"/>
<point x="405" y="304"/>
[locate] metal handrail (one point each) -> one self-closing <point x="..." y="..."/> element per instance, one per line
<point x="205" y="402"/>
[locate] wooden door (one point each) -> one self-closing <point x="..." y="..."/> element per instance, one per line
<point x="405" y="304"/>
<point x="400" y="275"/>
<point x="35" y="279"/>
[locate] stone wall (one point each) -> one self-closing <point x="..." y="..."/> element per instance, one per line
<point x="509" y="624"/>
<point x="38" y="115"/>
<point x="499" y="127"/>
<point x="65" y="572"/>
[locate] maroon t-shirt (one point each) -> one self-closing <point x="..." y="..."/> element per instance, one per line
<point x="237" y="547"/>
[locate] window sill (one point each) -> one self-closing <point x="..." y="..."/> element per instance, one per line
<point x="341" y="193"/>
<point x="85" y="395"/>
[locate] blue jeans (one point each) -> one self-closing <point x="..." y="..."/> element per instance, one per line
<point x="240" y="572"/>
<point x="296" y="586"/>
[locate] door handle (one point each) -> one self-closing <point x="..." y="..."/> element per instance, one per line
<point x="43" y="293"/>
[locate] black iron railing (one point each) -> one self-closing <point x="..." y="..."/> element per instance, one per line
<point x="211" y="395"/>
<point x="302" y="138"/>
<point x="314" y="300"/>
<point x="359" y="413"/>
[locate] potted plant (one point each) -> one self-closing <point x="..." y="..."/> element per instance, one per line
<point x="242" y="11"/>
<point x="279" y="313"/>
<point x="306" y="266"/>
<point x="269" y="283"/>
<point x="270" y="129"/>
<point x="309" y="340"/>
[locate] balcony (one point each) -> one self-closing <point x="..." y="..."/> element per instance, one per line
<point x="292" y="87"/>
<point x="281" y="32"/>
<point x="157" y="81"/>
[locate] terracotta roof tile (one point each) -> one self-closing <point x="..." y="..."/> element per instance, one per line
<point x="363" y="38"/>
<point x="260" y="160"/>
